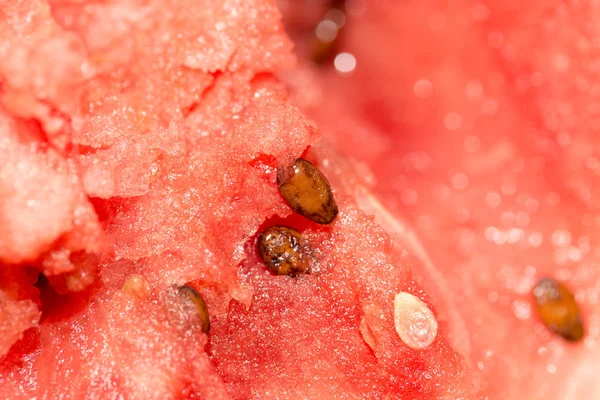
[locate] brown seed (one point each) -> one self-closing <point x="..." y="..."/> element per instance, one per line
<point x="283" y="251"/>
<point x="558" y="309"/>
<point x="323" y="52"/>
<point x="307" y="191"/>
<point x="196" y="297"/>
<point x="326" y="35"/>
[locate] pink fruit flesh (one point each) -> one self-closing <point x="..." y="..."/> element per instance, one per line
<point x="482" y="135"/>
<point x="168" y="118"/>
<point x="146" y="155"/>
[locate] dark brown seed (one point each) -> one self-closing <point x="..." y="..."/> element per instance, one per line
<point x="322" y="52"/>
<point x="558" y="309"/>
<point x="196" y="297"/>
<point x="283" y="251"/>
<point x="307" y="191"/>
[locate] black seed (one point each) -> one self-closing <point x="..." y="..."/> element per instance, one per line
<point x="307" y="191"/>
<point x="196" y="297"/>
<point x="282" y="250"/>
<point x="558" y="309"/>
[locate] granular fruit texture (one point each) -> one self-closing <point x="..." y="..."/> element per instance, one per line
<point x="141" y="144"/>
<point x="474" y="125"/>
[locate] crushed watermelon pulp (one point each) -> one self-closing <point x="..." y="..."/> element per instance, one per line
<point x="141" y="141"/>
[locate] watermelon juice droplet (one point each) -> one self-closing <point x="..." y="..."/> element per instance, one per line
<point x="415" y="323"/>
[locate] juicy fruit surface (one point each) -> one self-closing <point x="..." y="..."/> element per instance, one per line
<point x="482" y="136"/>
<point x="134" y="163"/>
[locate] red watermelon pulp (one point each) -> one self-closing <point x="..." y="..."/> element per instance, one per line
<point x="141" y="141"/>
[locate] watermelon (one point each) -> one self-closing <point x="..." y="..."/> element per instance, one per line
<point x="147" y="144"/>
<point x="482" y="138"/>
<point x="142" y="142"/>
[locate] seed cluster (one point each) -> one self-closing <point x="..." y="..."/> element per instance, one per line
<point x="307" y="191"/>
<point x="558" y="309"/>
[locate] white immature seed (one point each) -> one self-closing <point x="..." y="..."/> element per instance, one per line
<point x="415" y="322"/>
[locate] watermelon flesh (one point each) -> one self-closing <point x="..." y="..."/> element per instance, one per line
<point x="482" y="136"/>
<point x="146" y="157"/>
<point x="155" y="129"/>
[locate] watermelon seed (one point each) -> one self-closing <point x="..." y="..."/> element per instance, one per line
<point x="414" y="321"/>
<point x="196" y="297"/>
<point x="326" y="39"/>
<point x="367" y="333"/>
<point x="558" y="309"/>
<point x="282" y="250"/>
<point x="137" y="286"/>
<point x="307" y="191"/>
